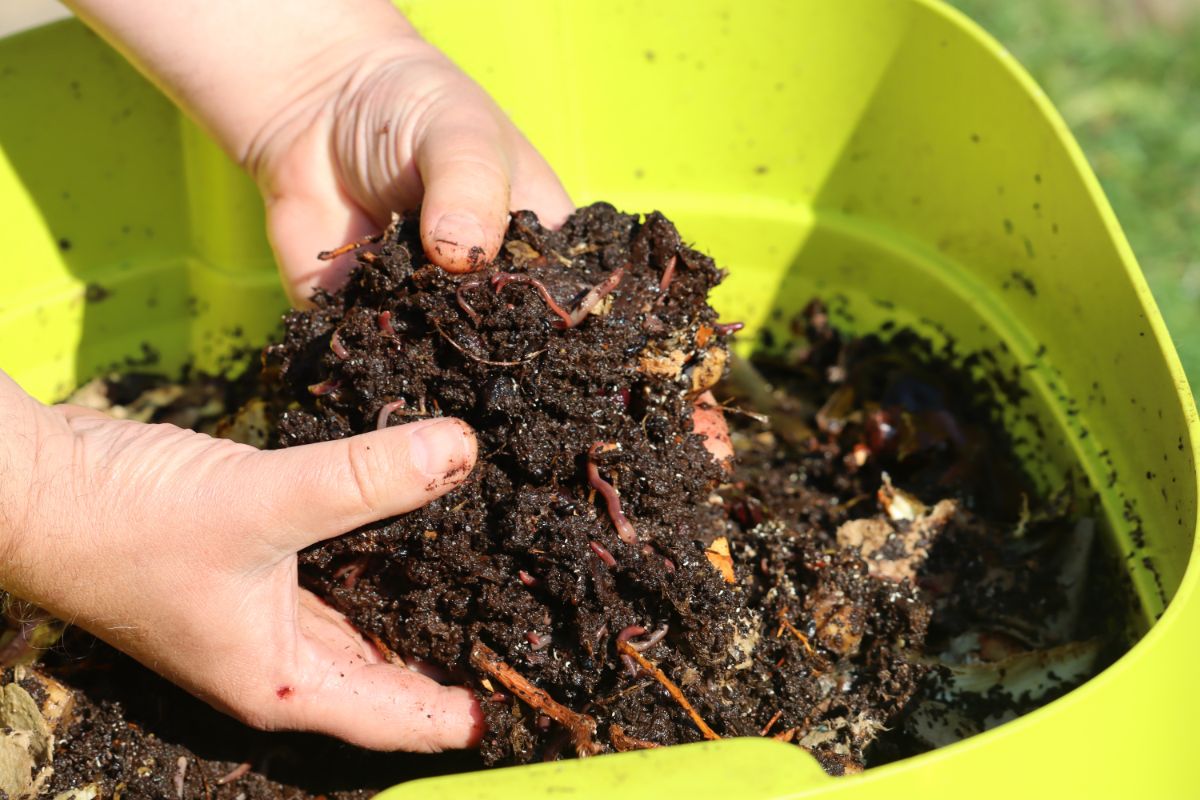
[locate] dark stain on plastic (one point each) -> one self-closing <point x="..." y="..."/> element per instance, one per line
<point x="95" y="293"/>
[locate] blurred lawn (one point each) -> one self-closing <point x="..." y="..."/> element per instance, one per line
<point x="1126" y="76"/>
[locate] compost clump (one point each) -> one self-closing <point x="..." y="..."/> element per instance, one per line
<point x="587" y="578"/>
<point x="871" y="576"/>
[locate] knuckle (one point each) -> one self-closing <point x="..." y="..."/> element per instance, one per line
<point x="368" y="469"/>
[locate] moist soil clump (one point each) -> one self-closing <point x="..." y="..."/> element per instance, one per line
<point x="582" y="579"/>
<point x="861" y="581"/>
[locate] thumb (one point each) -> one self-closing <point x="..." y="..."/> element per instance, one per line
<point x="467" y="177"/>
<point x="357" y="480"/>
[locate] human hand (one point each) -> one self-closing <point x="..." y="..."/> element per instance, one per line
<point x="404" y="127"/>
<point x="180" y="549"/>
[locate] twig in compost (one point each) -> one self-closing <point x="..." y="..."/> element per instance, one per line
<point x="612" y="500"/>
<point x="785" y="624"/>
<point x="349" y="247"/>
<point x="581" y="727"/>
<point x="628" y="649"/>
<point x="389" y="655"/>
<point x="771" y="723"/>
<point x="623" y="742"/>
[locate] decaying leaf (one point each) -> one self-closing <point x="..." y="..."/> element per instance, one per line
<point x="893" y="554"/>
<point x="718" y="555"/>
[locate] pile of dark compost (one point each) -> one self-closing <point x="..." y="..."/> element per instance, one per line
<point x="600" y="579"/>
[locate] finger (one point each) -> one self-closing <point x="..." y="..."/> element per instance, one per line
<point x="317" y="491"/>
<point x="535" y="187"/>
<point x="339" y="685"/>
<point x="369" y="703"/>
<point x="467" y="174"/>
<point x="302" y="224"/>
<point x="388" y="707"/>
<point x="709" y="422"/>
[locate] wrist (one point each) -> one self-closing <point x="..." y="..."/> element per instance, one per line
<point x="22" y="425"/>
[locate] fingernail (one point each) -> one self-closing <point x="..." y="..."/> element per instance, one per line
<point x="461" y="231"/>
<point x="441" y="447"/>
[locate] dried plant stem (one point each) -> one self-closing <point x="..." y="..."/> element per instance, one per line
<point x="629" y="650"/>
<point x="581" y="727"/>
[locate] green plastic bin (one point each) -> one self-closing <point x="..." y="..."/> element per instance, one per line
<point x="884" y="154"/>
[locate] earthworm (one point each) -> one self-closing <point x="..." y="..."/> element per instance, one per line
<point x="385" y="413"/>
<point x="629" y="631"/>
<point x="566" y="320"/>
<point x="538" y="641"/>
<point x="474" y="357"/>
<point x="350" y="573"/>
<point x="602" y="553"/>
<point x="595" y="295"/>
<point x="339" y="349"/>
<point x="527" y="579"/>
<point x="665" y="283"/>
<point x="385" y="324"/>
<point x="324" y="387"/>
<point x="626" y="633"/>
<point x="462" y="300"/>
<point x="612" y="500"/>
<point x="502" y="279"/>
<point x="649" y="641"/>
<point x="728" y="328"/>
<point x="234" y="774"/>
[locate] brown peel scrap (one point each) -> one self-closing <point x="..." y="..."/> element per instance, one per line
<point x="718" y="555"/>
<point x="582" y="727"/>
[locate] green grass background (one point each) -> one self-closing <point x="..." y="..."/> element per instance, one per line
<point x="1126" y="76"/>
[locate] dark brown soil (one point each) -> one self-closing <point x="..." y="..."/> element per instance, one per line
<point x="808" y="595"/>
